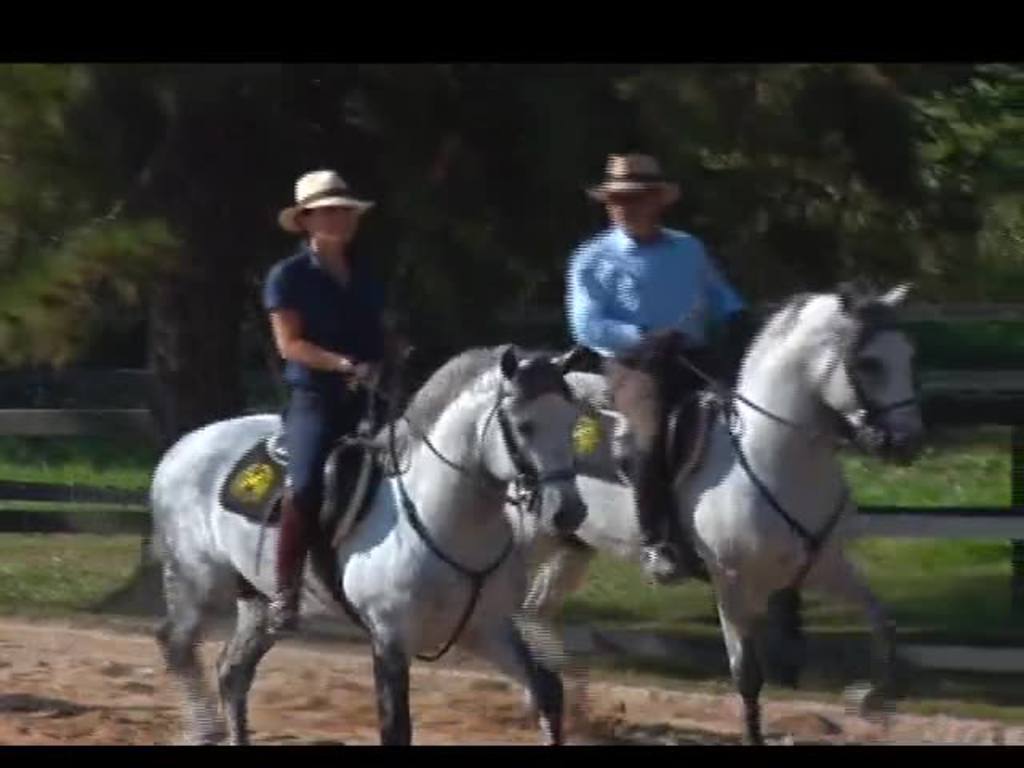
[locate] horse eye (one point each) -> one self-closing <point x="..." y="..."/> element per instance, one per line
<point x="526" y="429"/>
<point x="869" y="366"/>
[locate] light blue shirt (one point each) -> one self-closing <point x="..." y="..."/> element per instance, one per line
<point x="619" y="290"/>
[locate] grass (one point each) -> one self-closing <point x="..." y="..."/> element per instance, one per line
<point x="932" y="586"/>
<point x="57" y="574"/>
<point x="934" y="589"/>
<point x="952" y="474"/>
<point x="91" y="461"/>
<point x="60" y="574"/>
<point x="71" y="507"/>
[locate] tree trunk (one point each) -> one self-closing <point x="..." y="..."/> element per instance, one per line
<point x="194" y="349"/>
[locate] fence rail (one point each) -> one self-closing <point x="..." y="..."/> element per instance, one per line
<point x="76" y="421"/>
<point x="957" y="398"/>
<point x="918" y="312"/>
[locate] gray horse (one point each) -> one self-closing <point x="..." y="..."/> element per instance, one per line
<point x="431" y="563"/>
<point x="767" y="501"/>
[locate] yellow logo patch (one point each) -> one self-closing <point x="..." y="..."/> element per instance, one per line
<point x="586" y="435"/>
<point x="253" y="483"/>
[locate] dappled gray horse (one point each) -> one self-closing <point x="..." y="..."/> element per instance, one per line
<point x="432" y="563"/>
<point x="765" y="495"/>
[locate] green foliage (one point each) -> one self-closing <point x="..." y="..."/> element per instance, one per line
<point x="972" y="139"/>
<point x="797" y="175"/>
<point x="68" y="258"/>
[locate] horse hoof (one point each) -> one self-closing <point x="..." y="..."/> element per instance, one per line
<point x="201" y="740"/>
<point x="530" y="711"/>
<point x="206" y="737"/>
<point x="865" y="701"/>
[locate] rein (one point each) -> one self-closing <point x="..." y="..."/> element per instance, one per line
<point x="726" y="397"/>
<point x="527" y="474"/>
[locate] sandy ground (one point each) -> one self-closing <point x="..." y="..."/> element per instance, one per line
<point x="67" y="683"/>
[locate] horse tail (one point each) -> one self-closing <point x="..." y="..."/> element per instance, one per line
<point x="157" y="547"/>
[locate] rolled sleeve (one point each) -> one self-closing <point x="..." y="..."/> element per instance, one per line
<point x="587" y="306"/>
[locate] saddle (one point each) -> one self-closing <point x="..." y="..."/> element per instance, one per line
<point x="255" y="485"/>
<point x="609" y="455"/>
<point x="607" y="450"/>
<point x="686" y="430"/>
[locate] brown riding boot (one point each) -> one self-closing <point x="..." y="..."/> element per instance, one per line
<point x="291" y="559"/>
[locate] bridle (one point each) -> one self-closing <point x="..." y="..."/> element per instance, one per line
<point x="866" y="433"/>
<point x="527" y="475"/>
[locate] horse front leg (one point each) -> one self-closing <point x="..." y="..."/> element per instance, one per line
<point x="554" y="580"/>
<point x="836" y="576"/>
<point x="738" y="630"/>
<point x="506" y="648"/>
<point x="391" y="677"/>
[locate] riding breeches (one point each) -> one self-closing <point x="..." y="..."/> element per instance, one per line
<point x="313" y="423"/>
<point x="645" y="399"/>
<point x="635" y="395"/>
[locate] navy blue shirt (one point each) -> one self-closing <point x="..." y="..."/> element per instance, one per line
<point x="338" y="318"/>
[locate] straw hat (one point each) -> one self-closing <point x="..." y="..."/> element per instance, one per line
<point x="319" y="189"/>
<point x="634" y="173"/>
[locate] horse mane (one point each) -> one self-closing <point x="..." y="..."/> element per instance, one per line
<point x="858" y="303"/>
<point x="777" y="327"/>
<point x="443" y="386"/>
<point x="473" y="367"/>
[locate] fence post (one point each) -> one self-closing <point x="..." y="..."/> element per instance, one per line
<point x="1017" y="503"/>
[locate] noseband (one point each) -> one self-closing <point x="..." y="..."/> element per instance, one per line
<point x="866" y="430"/>
<point x="531" y="384"/>
<point x="528" y="478"/>
<point x="526" y="471"/>
<point x="874" y="319"/>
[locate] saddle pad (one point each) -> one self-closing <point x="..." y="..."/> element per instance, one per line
<point x="254" y="486"/>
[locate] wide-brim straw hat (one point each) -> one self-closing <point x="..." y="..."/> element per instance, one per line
<point x="319" y="189"/>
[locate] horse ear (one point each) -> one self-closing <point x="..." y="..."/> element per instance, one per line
<point x="854" y="294"/>
<point x="509" y="363"/>
<point x="566" y="361"/>
<point x="847" y="296"/>
<point x="897" y="295"/>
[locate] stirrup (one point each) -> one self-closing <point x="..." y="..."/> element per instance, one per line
<point x="283" y="614"/>
<point x="663" y="565"/>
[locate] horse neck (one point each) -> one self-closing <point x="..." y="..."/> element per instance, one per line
<point x="780" y="384"/>
<point x="462" y="512"/>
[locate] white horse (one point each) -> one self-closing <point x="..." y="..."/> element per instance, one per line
<point x="431" y="564"/>
<point x="767" y="506"/>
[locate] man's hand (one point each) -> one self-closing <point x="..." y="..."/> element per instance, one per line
<point x="365" y="373"/>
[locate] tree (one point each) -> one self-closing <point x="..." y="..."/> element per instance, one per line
<point x="972" y="139"/>
<point x="160" y="183"/>
<point x="68" y="253"/>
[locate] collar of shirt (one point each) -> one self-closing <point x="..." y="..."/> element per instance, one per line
<point x="317" y="263"/>
<point x="623" y="240"/>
